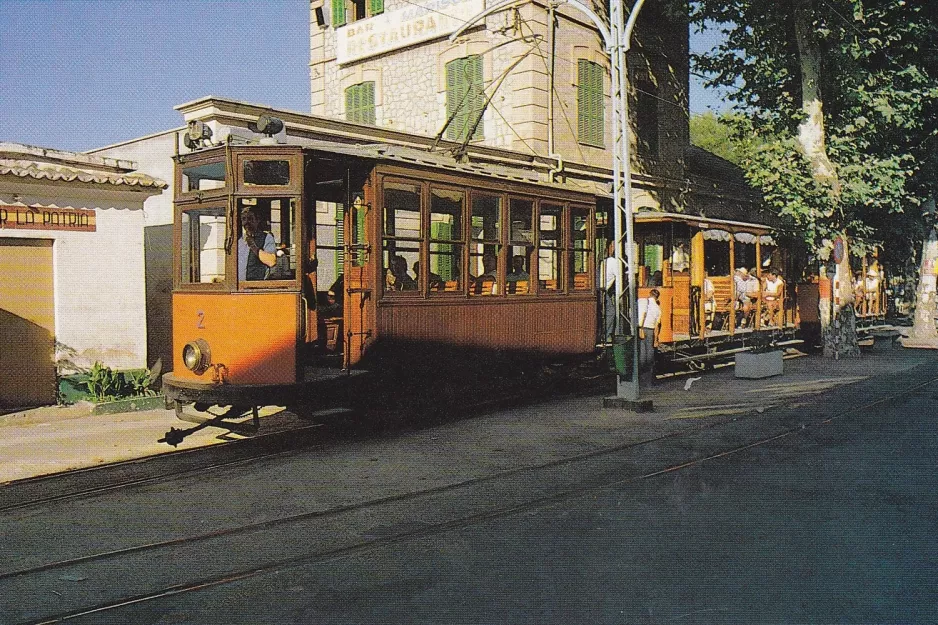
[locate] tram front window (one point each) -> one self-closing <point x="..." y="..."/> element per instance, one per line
<point x="266" y="246"/>
<point x="203" y="245"/>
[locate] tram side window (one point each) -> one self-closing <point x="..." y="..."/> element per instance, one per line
<point x="402" y="236"/>
<point x="203" y="245"/>
<point x="717" y="257"/>
<point x="744" y="252"/>
<point x="580" y="255"/>
<point x="446" y="240"/>
<point x="551" y="237"/>
<point x="204" y="177"/>
<point x="273" y="234"/>
<point x="485" y="245"/>
<point x="521" y="242"/>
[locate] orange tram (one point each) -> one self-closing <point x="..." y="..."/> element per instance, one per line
<point x="294" y="264"/>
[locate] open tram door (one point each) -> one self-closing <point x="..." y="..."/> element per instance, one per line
<point x="341" y="318"/>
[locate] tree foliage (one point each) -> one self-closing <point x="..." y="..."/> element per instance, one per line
<point x="879" y="85"/>
<point x="715" y="135"/>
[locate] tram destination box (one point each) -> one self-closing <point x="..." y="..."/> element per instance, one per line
<point x="754" y="365"/>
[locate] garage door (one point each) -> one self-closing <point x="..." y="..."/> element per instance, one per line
<point x="27" y="323"/>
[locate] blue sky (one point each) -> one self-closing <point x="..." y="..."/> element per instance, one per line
<point x="80" y="74"/>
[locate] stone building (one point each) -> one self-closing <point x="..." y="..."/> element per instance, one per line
<point x="532" y="78"/>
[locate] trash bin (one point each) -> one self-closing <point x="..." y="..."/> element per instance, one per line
<point x="622" y="357"/>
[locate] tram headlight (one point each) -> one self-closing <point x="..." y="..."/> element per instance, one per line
<point x="196" y="356"/>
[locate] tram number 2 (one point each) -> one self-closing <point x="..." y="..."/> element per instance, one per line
<point x="201" y="322"/>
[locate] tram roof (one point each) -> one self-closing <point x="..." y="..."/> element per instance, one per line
<point x="702" y="222"/>
<point x="443" y="160"/>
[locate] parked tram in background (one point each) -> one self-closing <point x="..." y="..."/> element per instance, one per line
<point x="296" y="265"/>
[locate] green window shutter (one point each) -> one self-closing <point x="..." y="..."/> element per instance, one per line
<point x="590" y="122"/>
<point x="360" y="235"/>
<point x="367" y="103"/>
<point x="360" y="103"/>
<point x="340" y="241"/>
<point x="351" y="103"/>
<point x="476" y="97"/>
<point x="453" y="97"/>
<point x="338" y="13"/>
<point x="464" y="97"/>
<point x="443" y="260"/>
<point x="376" y="7"/>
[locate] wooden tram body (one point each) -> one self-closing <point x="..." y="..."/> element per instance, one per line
<point x="493" y="264"/>
<point x="678" y="253"/>
<point x="433" y="254"/>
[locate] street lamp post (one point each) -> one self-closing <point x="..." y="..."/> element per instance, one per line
<point x="617" y="40"/>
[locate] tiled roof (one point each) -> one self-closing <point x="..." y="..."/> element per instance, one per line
<point x="49" y="171"/>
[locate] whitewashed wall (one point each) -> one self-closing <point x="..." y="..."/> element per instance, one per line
<point x="99" y="276"/>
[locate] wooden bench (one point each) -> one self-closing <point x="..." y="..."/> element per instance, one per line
<point x="723" y="301"/>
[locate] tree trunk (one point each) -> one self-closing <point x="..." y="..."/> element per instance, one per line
<point x="839" y="329"/>
<point x="923" y="327"/>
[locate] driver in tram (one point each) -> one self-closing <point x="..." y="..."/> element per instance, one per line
<point x="257" y="250"/>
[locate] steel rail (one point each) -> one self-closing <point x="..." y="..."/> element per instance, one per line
<point x="544" y="501"/>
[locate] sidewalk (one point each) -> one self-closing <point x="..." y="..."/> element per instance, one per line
<point x="48" y="440"/>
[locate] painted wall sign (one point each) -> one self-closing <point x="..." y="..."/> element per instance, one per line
<point x="33" y="218"/>
<point x="402" y="28"/>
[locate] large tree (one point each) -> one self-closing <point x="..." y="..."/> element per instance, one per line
<point x="836" y="99"/>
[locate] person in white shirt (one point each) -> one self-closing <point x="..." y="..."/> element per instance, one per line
<point x="649" y="326"/>
<point x="710" y="301"/>
<point x="609" y="289"/>
<point x="741" y="295"/>
<point x="871" y="292"/>
<point x="773" y="296"/>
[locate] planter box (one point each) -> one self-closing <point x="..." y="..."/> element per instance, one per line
<point x="130" y="404"/>
<point x="759" y="365"/>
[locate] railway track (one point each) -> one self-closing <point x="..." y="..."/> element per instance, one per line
<point x="340" y="425"/>
<point x="270" y="546"/>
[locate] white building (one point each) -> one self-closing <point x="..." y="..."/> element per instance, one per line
<point x="71" y="267"/>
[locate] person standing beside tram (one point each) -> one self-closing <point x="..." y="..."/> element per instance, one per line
<point x="608" y="276"/>
<point x="649" y="325"/>
<point x="257" y="250"/>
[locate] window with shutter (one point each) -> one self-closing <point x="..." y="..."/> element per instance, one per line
<point x="360" y="103"/>
<point x="590" y="122"/>
<point x="376" y="7"/>
<point x="338" y="13"/>
<point x="465" y="99"/>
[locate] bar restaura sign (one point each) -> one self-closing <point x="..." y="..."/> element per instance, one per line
<point x="405" y="27"/>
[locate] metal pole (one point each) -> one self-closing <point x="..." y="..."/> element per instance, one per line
<point x="622" y="176"/>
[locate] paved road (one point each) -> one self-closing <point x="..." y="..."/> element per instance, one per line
<point x="823" y="513"/>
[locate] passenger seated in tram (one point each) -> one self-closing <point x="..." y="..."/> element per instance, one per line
<point x="257" y="250"/>
<point x="331" y="302"/>
<point x="517" y="272"/>
<point x="859" y="293"/>
<point x="397" y="278"/>
<point x="743" y="303"/>
<point x="433" y="279"/>
<point x="710" y="301"/>
<point x="871" y="290"/>
<point x="487" y="279"/>
<point x="773" y="295"/>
